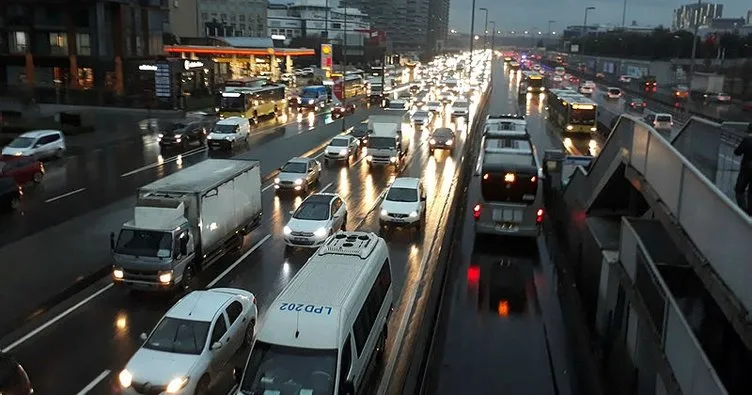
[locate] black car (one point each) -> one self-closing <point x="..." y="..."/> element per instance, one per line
<point x="10" y="196"/>
<point x="442" y="138"/>
<point x="180" y="134"/>
<point x="342" y="110"/>
<point x="13" y="377"/>
<point x="361" y="132"/>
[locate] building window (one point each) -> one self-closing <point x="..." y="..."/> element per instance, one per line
<point x="336" y="26"/>
<point x="241" y="18"/>
<point x="58" y="43"/>
<point x="83" y="44"/>
<point x="223" y="17"/>
<point x="85" y="78"/>
<point x="19" y="42"/>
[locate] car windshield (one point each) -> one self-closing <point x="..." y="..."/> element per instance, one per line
<point x="179" y="336"/>
<point x="294" y="167"/>
<point x="421" y="114"/>
<point x="461" y="104"/>
<point x="443" y="133"/>
<point x="663" y="118"/>
<point x="397" y="194"/>
<point x="378" y="142"/>
<point x="21" y="142"/>
<point x="360" y="131"/>
<point x="434" y="104"/>
<point x="312" y="211"/>
<point x="397" y="104"/>
<point x="225" y="129"/>
<point x="234" y="104"/>
<point x="178" y="126"/>
<point x="614" y="91"/>
<point x="275" y="369"/>
<point x="338" y="143"/>
<point x="310" y="94"/>
<point x="149" y="243"/>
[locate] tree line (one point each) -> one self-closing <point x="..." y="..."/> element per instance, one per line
<point x="663" y="44"/>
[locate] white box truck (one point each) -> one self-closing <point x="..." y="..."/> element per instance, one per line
<point x="390" y="137"/>
<point x="186" y="221"/>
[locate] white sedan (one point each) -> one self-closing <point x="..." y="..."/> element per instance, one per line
<point x="192" y="344"/>
<point x="317" y="217"/>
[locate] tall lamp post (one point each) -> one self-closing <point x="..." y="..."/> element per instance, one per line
<point x="485" y="28"/>
<point x="344" y="64"/>
<point x="551" y="22"/>
<point x="584" y="29"/>
<point x="493" y="36"/>
<point x="694" y="48"/>
<point x="624" y="14"/>
<point x="472" y="40"/>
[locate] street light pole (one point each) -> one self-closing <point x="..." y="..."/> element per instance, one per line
<point x="691" y="75"/>
<point x="624" y="15"/>
<point x="485" y="27"/>
<point x="326" y="21"/>
<point x="344" y="65"/>
<point x="551" y="22"/>
<point x="472" y="39"/>
<point x="493" y="36"/>
<point x="584" y="30"/>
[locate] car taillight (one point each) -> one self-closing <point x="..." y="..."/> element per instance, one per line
<point x="476" y="211"/>
<point x="539" y="215"/>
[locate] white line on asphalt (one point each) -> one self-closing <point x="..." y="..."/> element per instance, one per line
<point x="65" y="195"/>
<point x="166" y="161"/>
<point x="94" y="383"/>
<point x="319" y="155"/>
<point x="359" y="160"/>
<point x="327" y="186"/>
<point x="55" y="319"/>
<point x="266" y="188"/>
<point x="236" y="263"/>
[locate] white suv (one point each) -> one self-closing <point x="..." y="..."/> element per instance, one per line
<point x="192" y="344"/>
<point x="404" y="204"/>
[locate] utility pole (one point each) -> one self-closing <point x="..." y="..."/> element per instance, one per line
<point x="584" y="31"/>
<point x="691" y="75"/>
<point x="485" y="28"/>
<point x="326" y="22"/>
<point x="472" y="39"/>
<point x="493" y="36"/>
<point x="624" y="15"/>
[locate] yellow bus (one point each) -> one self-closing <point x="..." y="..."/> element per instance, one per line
<point x="253" y="103"/>
<point x="572" y="112"/>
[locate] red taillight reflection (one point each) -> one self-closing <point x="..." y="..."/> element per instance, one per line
<point x="473" y="274"/>
<point x="539" y="215"/>
<point x="476" y="211"/>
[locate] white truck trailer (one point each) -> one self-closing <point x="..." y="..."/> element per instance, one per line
<point x="186" y="221"/>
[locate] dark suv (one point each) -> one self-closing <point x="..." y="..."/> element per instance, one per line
<point x="180" y="134"/>
<point x="13" y="377"/>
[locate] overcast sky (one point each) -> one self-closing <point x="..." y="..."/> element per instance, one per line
<point x="535" y="14"/>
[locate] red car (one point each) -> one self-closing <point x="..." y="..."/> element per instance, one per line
<point x="342" y="110"/>
<point x="22" y="169"/>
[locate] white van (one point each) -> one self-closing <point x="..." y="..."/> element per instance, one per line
<point x="229" y="131"/>
<point x="328" y="327"/>
<point x="41" y="144"/>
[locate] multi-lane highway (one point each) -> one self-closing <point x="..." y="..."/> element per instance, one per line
<point x="81" y="344"/>
<point x="505" y="332"/>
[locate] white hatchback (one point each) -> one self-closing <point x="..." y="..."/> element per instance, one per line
<point x="40" y="144"/>
<point x="317" y="217"/>
<point x="192" y="344"/>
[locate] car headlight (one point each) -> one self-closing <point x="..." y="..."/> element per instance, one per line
<point x="276" y="180"/>
<point x="320" y="232"/>
<point x="310" y="101"/>
<point x="176" y="384"/>
<point x="299" y="181"/>
<point x="570" y="127"/>
<point x="177" y="136"/>
<point x="160" y="135"/>
<point x="369" y="158"/>
<point x="393" y="159"/>
<point x="118" y="274"/>
<point x="413" y="214"/>
<point x="449" y="142"/>
<point x="343" y="151"/>
<point x="432" y="141"/>
<point x="529" y="88"/>
<point x="229" y="138"/>
<point x="126" y="378"/>
<point x="384" y="212"/>
<point x="165" y="277"/>
<point x="286" y="230"/>
<point x="593" y="129"/>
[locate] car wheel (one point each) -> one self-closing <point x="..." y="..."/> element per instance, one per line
<point x="202" y="388"/>
<point x="187" y="283"/>
<point x="344" y="223"/>
<point x="15" y="203"/>
<point x="250" y="330"/>
<point x="59" y="153"/>
<point x="37" y="178"/>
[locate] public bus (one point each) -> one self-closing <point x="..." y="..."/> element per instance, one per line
<point x="354" y="85"/>
<point x="248" y="82"/>
<point x="508" y="171"/>
<point x="253" y="103"/>
<point x="531" y="82"/>
<point x="572" y="111"/>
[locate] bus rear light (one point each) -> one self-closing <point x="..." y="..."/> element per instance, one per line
<point x="539" y="215"/>
<point x="476" y="211"/>
<point x="473" y="275"/>
<point x="485" y="176"/>
<point x="509" y="177"/>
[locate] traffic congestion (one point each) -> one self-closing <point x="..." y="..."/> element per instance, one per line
<point x="202" y="264"/>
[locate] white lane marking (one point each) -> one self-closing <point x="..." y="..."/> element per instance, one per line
<point x="94" y="383"/>
<point x="237" y="262"/>
<point x="166" y="161"/>
<point x="327" y="186"/>
<point x="266" y="188"/>
<point x="319" y="155"/>
<point x="359" y="160"/>
<point x="65" y="195"/>
<point x="55" y="319"/>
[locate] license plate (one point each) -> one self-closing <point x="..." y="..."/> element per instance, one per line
<point x="508" y="215"/>
<point x="300" y="239"/>
<point x="506" y="228"/>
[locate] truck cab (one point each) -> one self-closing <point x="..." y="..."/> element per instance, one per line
<point x="388" y="144"/>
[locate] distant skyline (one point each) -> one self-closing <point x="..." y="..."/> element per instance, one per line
<point x="520" y="15"/>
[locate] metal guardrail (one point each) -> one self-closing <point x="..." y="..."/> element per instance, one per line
<point x="691" y="367"/>
<point x="717" y="227"/>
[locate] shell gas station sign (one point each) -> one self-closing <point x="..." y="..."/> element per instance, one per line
<point x="326" y="58"/>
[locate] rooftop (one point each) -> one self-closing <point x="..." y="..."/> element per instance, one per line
<point x="199" y="305"/>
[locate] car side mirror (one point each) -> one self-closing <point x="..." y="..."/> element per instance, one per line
<point x="348" y="388"/>
<point x="143" y="336"/>
<point x="216" y="346"/>
<point x="291" y="212"/>
<point x="112" y="240"/>
<point x="237" y="373"/>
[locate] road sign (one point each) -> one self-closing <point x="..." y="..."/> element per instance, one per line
<point x="337" y="90"/>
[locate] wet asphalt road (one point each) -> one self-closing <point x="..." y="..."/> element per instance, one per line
<point x="84" y="343"/>
<point x="505" y="334"/>
<point x="67" y="237"/>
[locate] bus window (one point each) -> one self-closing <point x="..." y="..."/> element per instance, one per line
<point x="233" y="103"/>
<point x="582" y="116"/>
<point x="518" y="183"/>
